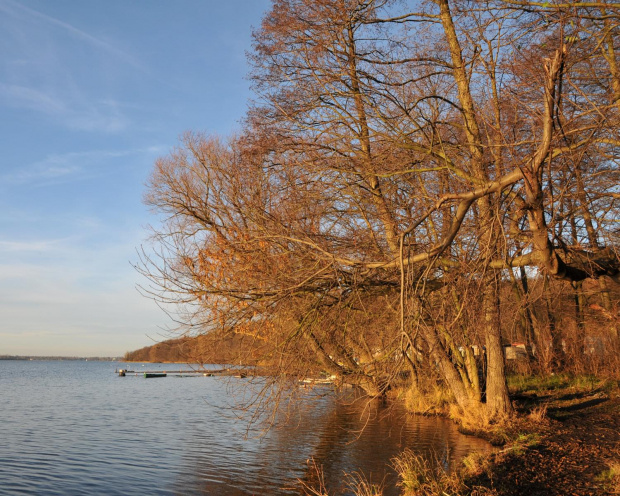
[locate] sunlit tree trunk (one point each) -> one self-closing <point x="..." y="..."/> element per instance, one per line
<point x="498" y="402"/>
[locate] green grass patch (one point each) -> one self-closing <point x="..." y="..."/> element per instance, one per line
<point x="611" y="478"/>
<point x="522" y="384"/>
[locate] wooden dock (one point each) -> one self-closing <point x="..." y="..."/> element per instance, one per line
<point x="242" y="373"/>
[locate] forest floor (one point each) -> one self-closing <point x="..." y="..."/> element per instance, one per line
<point x="569" y="443"/>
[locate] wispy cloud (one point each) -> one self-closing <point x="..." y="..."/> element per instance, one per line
<point x="73" y="110"/>
<point x="72" y="166"/>
<point x="22" y="246"/>
<point x="53" y="170"/>
<point x="32" y="98"/>
<point x="39" y="73"/>
<point x="34" y="175"/>
<point x="15" y="9"/>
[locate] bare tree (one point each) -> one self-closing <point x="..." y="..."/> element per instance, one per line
<point x="399" y="167"/>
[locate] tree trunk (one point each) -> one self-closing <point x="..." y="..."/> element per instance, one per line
<point x="497" y="390"/>
<point x="448" y="370"/>
<point x="498" y="401"/>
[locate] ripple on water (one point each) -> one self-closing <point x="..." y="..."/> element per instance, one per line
<point x="76" y="428"/>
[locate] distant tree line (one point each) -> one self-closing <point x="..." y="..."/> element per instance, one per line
<point x="174" y="350"/>
<point x="417" y="184"/>
<point x="196" y="350"/>
<point x="38" y="357"/>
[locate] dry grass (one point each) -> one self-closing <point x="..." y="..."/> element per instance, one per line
<point x="315" y="485"/>
<point x="360" y="486"/>
<point x="474" y="464"/>
<point x="473" y="419"/>
<point x="418" y="477"/>
<point x="356" y="483"/>
<point x="538" y="414"/>
<point x="436" y="400"/>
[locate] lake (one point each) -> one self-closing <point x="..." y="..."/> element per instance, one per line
<point x="75" y="427"/>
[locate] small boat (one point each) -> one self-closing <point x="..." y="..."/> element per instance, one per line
<point x="152" y="375"/>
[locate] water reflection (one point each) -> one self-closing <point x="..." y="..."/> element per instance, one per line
<point x="77" y="428"/>
<point x="341" y="437"/>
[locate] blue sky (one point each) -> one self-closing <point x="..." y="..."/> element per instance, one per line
<point x="91" y="93"/>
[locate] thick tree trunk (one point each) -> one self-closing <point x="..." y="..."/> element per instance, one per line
<point x="498" y="401"/>
<point x="497" y="390"/>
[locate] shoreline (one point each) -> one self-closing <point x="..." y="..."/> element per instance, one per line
<point x="565" y="442"/>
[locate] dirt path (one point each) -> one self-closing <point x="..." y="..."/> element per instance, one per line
<point x="576" y="446"/>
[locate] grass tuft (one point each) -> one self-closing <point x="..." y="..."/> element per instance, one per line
<point x="356" y="483"/>
<point x="315" y="483"/>
<point x="419" y="478"/>
<point x="472" y="419"/>
<point x="611" y="478"/>
<point x="538" y="414"/>
<point x="360" y="486"/>
<point x="475" y="463"/>
<point x="524" y="442"/>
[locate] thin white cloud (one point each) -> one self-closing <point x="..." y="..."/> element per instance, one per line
<point x="33" y="175"/>
<point x="24" y="246"/>
<point x="36" y="72"/>
<point x="18" y="10"/>
<point x="74" y="112"/>
<point x="72" y="166"/>
<point x="22" y="96"/>
<point x="106" y="116"/>
<point x="40" y="174"/>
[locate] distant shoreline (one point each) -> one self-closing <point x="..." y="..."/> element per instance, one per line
<point x="60" y="358"/>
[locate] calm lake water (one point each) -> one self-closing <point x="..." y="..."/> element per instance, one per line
<point x="74" y="427"/>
